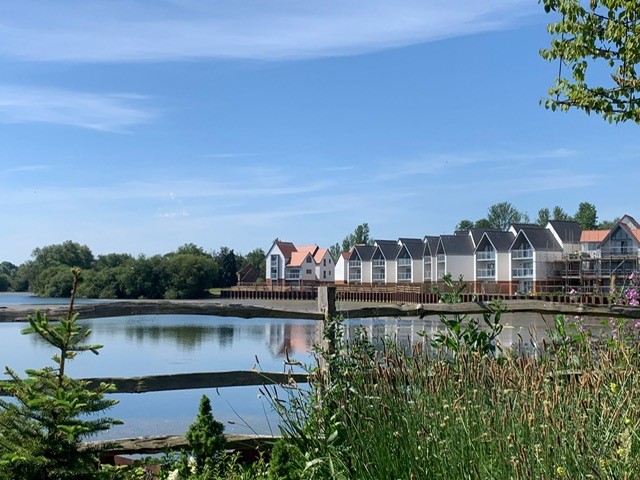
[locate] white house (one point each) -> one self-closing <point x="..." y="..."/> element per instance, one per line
<point x="287" y="264"/>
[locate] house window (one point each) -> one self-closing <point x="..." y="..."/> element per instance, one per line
<point x="308" y="271"/>
<point x="308" y="259"/>
<point x="324" y="262"/>
<point x="324" y="274"/>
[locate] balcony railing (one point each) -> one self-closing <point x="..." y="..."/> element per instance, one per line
<point x="486" y="255"/>
<point x="404" y="276"/>
<point x="427" y="274"/>
<point x="355" y="278"/>
<point x="355" y="263"/>
<point x="486" y="273"/>
<point x="522" y="272"/>
<point x="404" y="262"/>
<point x="620" y="251"/>
<point x="440" y="258"/>
<point x="521" y="253"/>
<point x="292" y="276"/>
<point x="378" y="276"/>
<point x="378" y="262"/>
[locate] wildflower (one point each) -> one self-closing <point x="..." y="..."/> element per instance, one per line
<point x="627" y="421"/>
<point x="620" y="452"/>
<point x="572" y="292"/>
<point x="613" y="387"/>
<point x="603" y="463"/>
<point x="560" y="470"/>
<point x="173" y="475"/>
<point x="193" y="466"/>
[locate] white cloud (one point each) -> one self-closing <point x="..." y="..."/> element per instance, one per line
<point x="106" y="112"/>
<point x="94" y="31"/>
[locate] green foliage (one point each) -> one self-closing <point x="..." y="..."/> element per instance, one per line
<point x="228" y="268"/>
<point x="51" y="412"/>
<point x="560" y="215"/>
<point x="257" y="258"/>
<point x="502" y="215"/>
<point x="361" y="235"/>
<point x="462" y="333"/>
<point x="587" y="216"/>
<point x="287" y="461"/>
<point x="464" y="225"/>
<point x="205" y="436"/>
<point x="608" y="224"/>
<point x="598" y="46"/>
<point x="483" y="223"/>
<point x="544" y="215"/>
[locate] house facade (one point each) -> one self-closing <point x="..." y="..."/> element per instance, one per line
<point x="288" y="264"/>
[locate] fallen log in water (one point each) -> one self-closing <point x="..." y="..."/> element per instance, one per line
<point x="295" y="309"/>
<point x="192" y="381"/>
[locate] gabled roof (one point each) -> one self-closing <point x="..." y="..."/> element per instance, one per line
<point x="298" y="258"/>
<point x="320" y="253"/>
<point x="593" y="236"/>
<point x="630" y="221"/>
<point x="365" y="252"/>
<point x="388" y="248"/>
<point x="287" y="248"/>
<point x="431" y="245"/>
<point x="567" y="231"/>
<point x="624" y="224"/>
<point x="247" y="274"/>
<point x="414" y="246"/>
<point x="456" y="245"/>
<point x="500" y="240"/>
<point x="308" y="248"/>
<point x="539" y="238"/>
<point x="520" y="226"/>
<point x="477" y="233"/>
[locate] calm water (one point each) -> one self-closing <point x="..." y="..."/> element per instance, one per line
<point x="147" y="345"/>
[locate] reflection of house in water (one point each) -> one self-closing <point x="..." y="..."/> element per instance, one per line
<point x="292" y="338"/>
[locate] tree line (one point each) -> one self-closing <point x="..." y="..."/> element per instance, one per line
<point x="501" y="215"/>
<point x="187" y="272"/>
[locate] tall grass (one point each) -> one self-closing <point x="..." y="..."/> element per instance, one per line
<point x="571" y="411"/>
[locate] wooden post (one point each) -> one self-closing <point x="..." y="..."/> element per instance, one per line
<point x="327" y="301"/>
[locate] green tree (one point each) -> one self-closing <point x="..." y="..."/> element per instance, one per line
<point x="189" y="275"/>
<point x="228" y="265"/>
<point x="608" y="224"/>
<point x="464" y="225"/>
<point x="257" y="258"/>
<point x="544" y="215"/>
<point x="483" y="223"/>
<point x="599" y="43"/>
<point x="586" y="216"/>
<point x="112" y="260"/>
<point x="40" y="431"/>
<point x="360" y="236"/>
<point x="205" y="436"/>
<point x="192" y="249"/>
<point x="502" y="215"/>
<point x="560" y="215"/>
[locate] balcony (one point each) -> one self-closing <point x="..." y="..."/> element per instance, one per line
<point x="404" y="276"/>
<point x="355" y="263"/>
<point x="404" y="262"/>
<point x="486" y="273"/>
<point x="522" y="272"/>
<point x="356" y="277"/>
<point x="378" y="276"/>
<point x="378" y="262"/>
<point x="620" y="251"/>
<point x="522" y="253"/>
<point x="441" y="258"/>
<point x="292" y="276"/>
<point x="485" y="255"/>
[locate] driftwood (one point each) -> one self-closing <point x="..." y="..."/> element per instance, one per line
<point x="191" y="381"/>
<point x="163" y="443"/>
<point x="296" y="309"/>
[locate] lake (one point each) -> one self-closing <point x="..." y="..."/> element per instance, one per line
<point x="164" y="344"/>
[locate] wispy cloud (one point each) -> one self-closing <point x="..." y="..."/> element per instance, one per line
<point x="94" y="31"/>
<point x="229" y="155"/>
<point x="23" y="169"/>
<point x="106" y="112"/>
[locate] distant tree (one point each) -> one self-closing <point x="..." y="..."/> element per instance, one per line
<point x="605" y="35"/>
<point x="256" y="258"/>
<point x="360" y="235"/>
<point x="464" y="225"/>
<point x="228" y="268"/>
<point x="112" y="260"/>
<point x="68" y="253"/>
<point x="559" y="215"/>
<point x="544" y="215"/>
<point x="189" y="275"/>
<point x="586" y="216"/>
<point x="4" y="282"/>
<point x="7" y="268"/>
<point x="483" y="223"/>
<point x="608" y="224"/>
<point x="502" y="215"/>
<point x="191" y="249"/>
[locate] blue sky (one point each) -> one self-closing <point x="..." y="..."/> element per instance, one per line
<point x="140" y="126"/>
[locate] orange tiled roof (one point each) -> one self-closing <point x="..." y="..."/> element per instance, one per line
<point x="297" y="259"/>
<point x="307" y="248"/>
<point x="636" y="233"/>
<point x="593" y="235"/>
<point x="319" y="254"/>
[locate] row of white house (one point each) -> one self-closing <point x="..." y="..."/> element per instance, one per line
<point x="525" y="258"/>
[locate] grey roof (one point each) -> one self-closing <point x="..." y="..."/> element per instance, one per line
<point x="520" y="226"/>
<point x="389" y="248"/>
<point x="365" y="252"/>
<point x="501" y="241"/>
<point x="540" y="239"/>
<point x="569" y="232"/>
<point x="414" y="246"/>
<point x="476" y="233"/>
<point x="430" y="245"/>
<point x="456" y="244"/>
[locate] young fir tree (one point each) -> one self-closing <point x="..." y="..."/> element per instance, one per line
<point x="205" y="436"/>
<point x="51" y="413"/>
